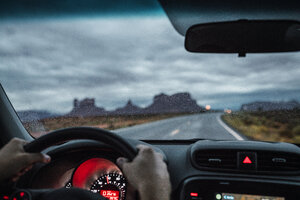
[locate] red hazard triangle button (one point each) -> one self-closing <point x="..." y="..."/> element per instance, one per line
<point x="247" y="160"/>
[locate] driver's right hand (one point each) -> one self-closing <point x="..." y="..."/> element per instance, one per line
<point x="147" y="174"/>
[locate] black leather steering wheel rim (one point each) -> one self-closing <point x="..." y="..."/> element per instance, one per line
<point x="62" y="135"/>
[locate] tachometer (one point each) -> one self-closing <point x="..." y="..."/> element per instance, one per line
<point x="111" y="186"/>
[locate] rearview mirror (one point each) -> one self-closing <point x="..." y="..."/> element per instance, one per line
<point x="244" y="36"/>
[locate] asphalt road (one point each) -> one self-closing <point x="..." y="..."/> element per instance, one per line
<point x="204" y="126"/>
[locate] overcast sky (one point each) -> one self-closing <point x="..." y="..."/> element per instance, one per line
<point x="45" y="64"/>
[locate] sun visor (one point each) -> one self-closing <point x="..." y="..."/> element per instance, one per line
<point x="186" y="13"/>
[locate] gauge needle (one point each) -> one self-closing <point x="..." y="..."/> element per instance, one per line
<point x="107" y="180"/>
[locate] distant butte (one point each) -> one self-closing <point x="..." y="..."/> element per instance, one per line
<point x="86" y="108"/>
<point x="128" y="109"/>
<point x="270" y="106"/>
<point x="176" y="103"/>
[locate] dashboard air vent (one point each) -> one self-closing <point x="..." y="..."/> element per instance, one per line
<point x="277" y="161"/>
<point x="223" y="159"/>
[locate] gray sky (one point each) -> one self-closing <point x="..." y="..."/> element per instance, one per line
<point x="45" y="64"/>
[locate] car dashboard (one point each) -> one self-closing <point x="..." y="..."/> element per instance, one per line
<point x="202" y="170"/>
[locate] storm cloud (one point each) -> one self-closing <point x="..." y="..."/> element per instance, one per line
<point x="45" y="64"/>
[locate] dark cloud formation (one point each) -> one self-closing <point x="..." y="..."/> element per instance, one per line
<point x="46" y="63"/>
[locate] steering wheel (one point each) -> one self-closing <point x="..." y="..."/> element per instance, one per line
<point x="59" y="136"/>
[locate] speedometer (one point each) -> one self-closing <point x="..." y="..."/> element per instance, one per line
<point x="100" y="176"/>
<point x="111" y="186"/>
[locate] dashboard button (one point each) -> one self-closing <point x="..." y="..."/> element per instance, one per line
<point x="247" y="160"/>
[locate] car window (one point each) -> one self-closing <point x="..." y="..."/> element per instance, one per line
<point x="129" y="72"/>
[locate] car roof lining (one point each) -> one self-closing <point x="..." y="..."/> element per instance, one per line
<point x="186" y="13"/>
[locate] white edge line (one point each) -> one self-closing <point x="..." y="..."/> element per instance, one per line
<point x="232" y="132"/>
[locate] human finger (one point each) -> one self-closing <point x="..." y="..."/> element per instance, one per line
<point x="37" y="157"/>
<point x="121" y="161"/>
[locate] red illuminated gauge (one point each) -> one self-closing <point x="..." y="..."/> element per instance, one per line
<point x="111" y="186"/>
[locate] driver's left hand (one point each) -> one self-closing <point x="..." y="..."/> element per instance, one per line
<point x="14" y="161"/>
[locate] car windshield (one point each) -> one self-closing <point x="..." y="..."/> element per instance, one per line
<point x="129" y="72"/>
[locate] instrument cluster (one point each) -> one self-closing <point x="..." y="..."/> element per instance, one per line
<point x="100" y="176"/>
